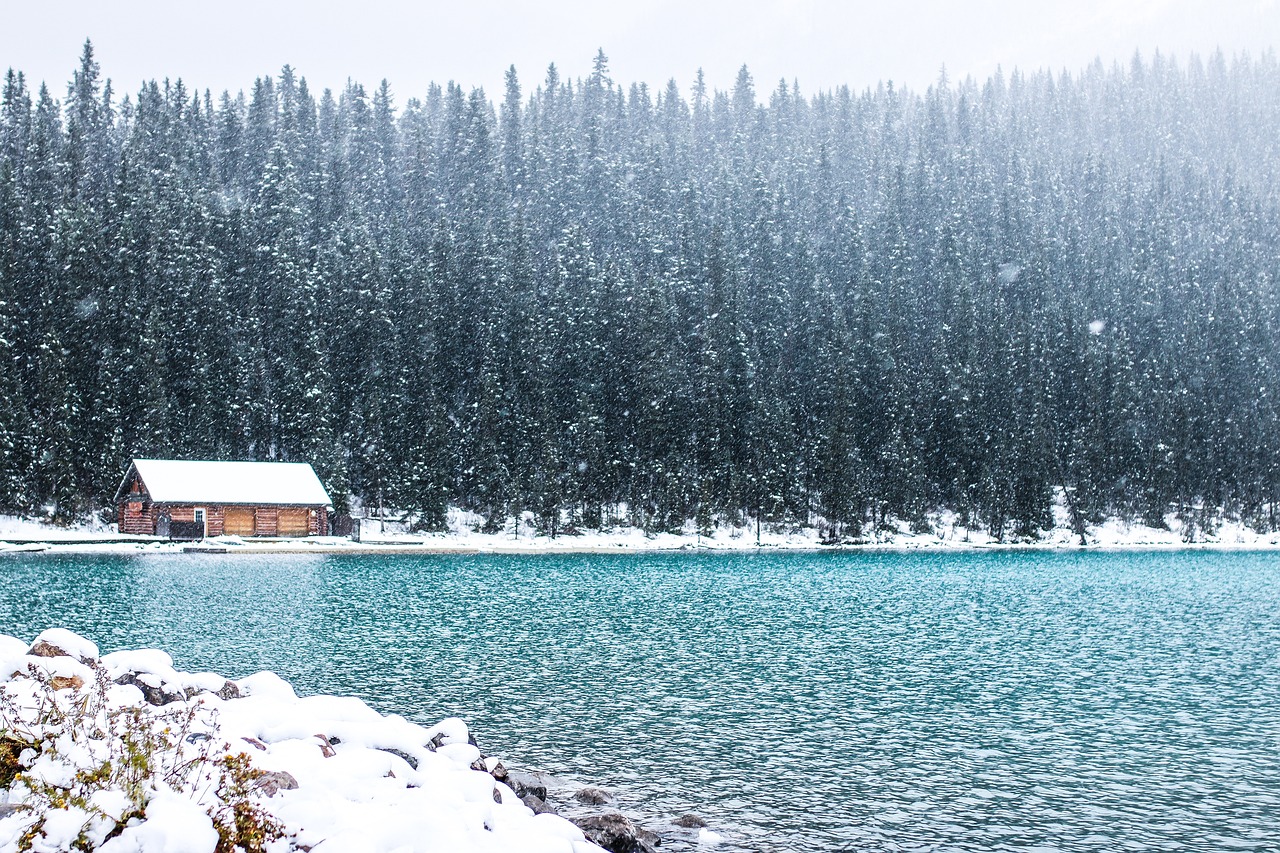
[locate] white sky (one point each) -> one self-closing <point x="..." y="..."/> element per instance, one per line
<point x="822" y="43"/>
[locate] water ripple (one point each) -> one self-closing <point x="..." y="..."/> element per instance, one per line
<point x="904" y="702"/>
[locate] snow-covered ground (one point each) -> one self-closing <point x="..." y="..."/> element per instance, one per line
<point x="90" y="761"/>
<point x="464" y="535"/>
<point x="20" y="528"/>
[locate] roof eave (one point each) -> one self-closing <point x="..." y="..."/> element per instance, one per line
<point x="189" y="502"/>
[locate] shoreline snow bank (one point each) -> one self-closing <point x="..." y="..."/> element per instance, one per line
<point x="464" y="536"/>
<point x="125" y="754"/>
<point x="943" y="532"/>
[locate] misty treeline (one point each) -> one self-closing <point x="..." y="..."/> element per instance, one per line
<point x="608" y="303"/>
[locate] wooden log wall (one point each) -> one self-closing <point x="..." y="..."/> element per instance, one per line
<point x="139" y="518"/>
<point x="265" y="521"/>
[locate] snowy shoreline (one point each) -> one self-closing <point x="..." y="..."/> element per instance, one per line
<point x="125" y="754"/>
<point x="19" y="535"/>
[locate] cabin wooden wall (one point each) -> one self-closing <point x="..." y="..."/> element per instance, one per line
<point x="136" y="517"/>
<point x="265" y="519"/>
<point x="139" y="517"/>
<point x="214" y="516"/>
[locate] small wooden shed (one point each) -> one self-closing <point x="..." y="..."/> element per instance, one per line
<point x="189" y="499"/>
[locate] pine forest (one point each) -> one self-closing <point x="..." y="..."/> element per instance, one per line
<point x="605" y="303"/>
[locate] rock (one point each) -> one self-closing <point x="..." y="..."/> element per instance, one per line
<point x="493" y="766"/>
<point x="450" y="730"/>
<point x="62" y="682"/>
<point x="538" y="804"/>
<point x="154" y="695"/>
<point x="617" y="834"/>
<point x="59" y="642"/>
<point x="42" y="649"/>
<point x="689" y="821"/>
<point x="707" y="838"/>
<point x="273" y="781"/>
<point x="7" y="809"/>
<point x="593" y="796"/>
<point x="443" y="739"/>
<point x="408" y="759"/>
<point x="326" y="746"/>
<point x="228" y="691"/>
<point x="526" y="783"/>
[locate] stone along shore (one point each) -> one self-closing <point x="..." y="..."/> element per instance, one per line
<point x="122" y="753"/>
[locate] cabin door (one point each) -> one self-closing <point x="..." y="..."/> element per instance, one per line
<point x="292" y="522"/>
<point x="238" y="521"/>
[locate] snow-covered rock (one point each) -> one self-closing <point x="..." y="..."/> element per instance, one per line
<point x="615" y="832"/>
<point x="709" y="837"/>
<point x="312" y="769"/>
<point x="59" y="642"/>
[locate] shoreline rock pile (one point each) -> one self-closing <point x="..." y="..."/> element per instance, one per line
<point x="610" y="830"/>
<point x="122" y="753"/>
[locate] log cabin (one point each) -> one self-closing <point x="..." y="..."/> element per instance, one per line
<point x="188" y="499"/>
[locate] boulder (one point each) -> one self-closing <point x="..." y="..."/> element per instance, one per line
<point x="689" y="821"/>
<point x="59" y="642"/>
<point x="448" y="731"/>
<point x="537" y="804"/>
<point x="593" y="796"/>
<point x="273" y="781"/>
<point x="326" y="746"/>
<point x="617" y="834"/>
<point x="62" y="682"/>
<point x="153" y="694"/>
<point x="526" y="783"/>
<point x="42" y="649"/>
<point x="408" y="759"/>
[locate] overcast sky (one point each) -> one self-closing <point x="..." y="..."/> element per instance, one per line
<point x="821" y="43"/>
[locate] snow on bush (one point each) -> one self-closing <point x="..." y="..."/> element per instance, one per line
<point x="125" y="754"/>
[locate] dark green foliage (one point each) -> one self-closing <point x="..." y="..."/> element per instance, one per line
<point x="601" y="304"/>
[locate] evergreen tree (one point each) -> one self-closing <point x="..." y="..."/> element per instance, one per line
<point x="598" y="302"/>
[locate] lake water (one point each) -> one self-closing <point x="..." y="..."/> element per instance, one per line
<point x="868" y="701"/>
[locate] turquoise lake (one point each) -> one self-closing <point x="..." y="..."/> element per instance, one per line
<point x="835" y="701"/>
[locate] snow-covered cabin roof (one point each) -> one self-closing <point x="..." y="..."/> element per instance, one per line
<point x="257" y="483"/>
